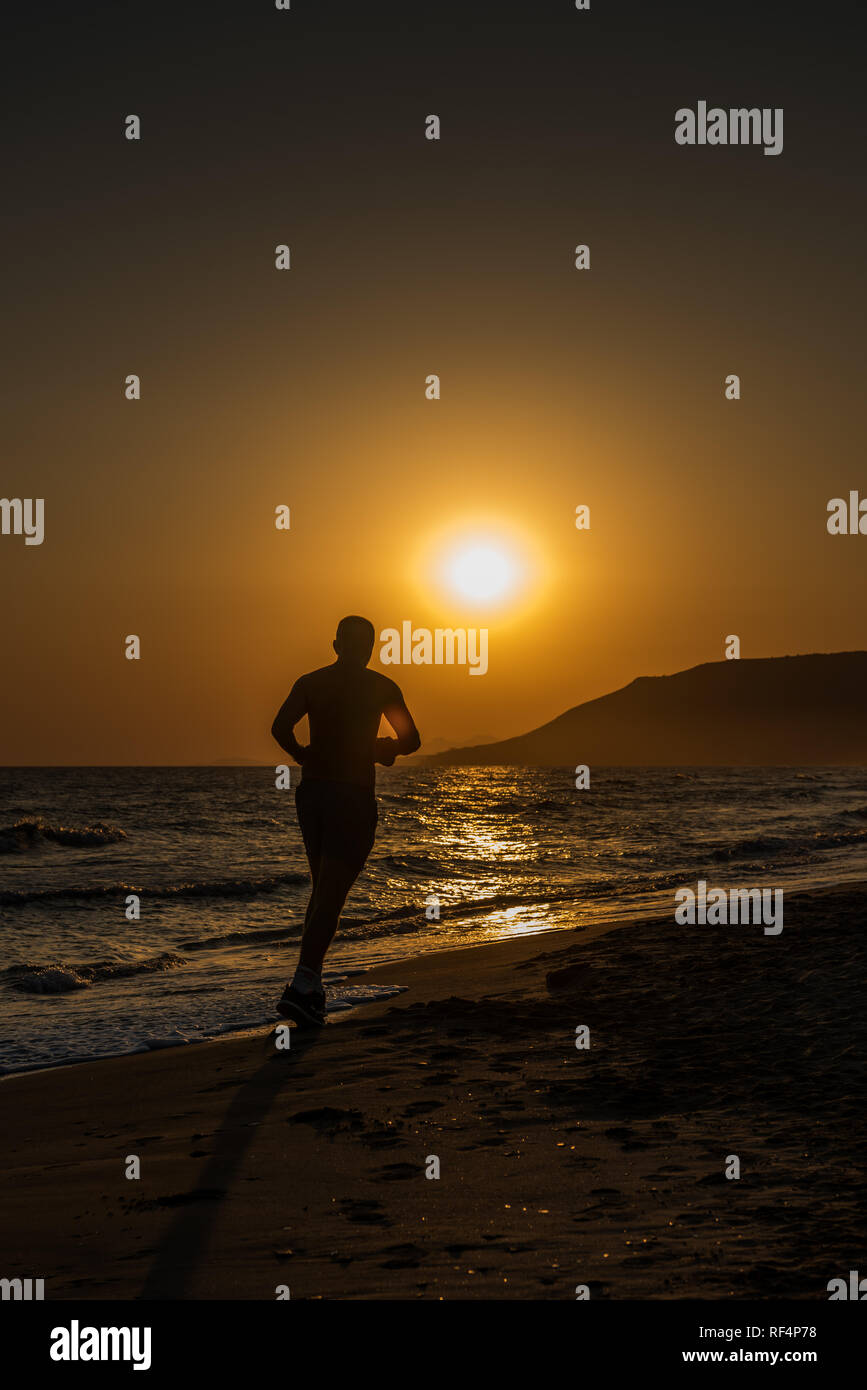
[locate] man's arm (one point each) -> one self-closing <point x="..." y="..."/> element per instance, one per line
<point x="400" y="719"/>
<point x="293" y="708"/>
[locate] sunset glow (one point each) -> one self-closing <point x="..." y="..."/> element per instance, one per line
<point x="482" y="572"/>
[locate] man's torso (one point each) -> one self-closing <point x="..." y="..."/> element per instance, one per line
<point x="344" y="708"/>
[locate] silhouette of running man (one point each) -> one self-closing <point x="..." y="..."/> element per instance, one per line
<point x="336" y="797"/>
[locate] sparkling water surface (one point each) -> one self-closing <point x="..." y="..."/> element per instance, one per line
<point x="216" y="858"/>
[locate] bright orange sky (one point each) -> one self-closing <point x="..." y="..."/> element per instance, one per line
<point x="185" y="554"/>
<point x="306" y="388"/>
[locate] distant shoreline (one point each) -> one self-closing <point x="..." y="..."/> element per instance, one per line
<point x="427" y="761"/>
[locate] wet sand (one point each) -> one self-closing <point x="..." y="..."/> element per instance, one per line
<point x="558" y="1167"/>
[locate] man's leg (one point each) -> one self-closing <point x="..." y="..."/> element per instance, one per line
<point x="348" y="830"/>
<point x="310" y="823"/>
<point x="339" y="827"/>
<point x="314" y="860"/>
<point x="304" y="998"/>
<point x="333" y="882"/>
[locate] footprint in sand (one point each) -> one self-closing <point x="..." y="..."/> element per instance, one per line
<point x="328" y="1119"/>
<point x="570" y="977"/>
<point x="422" y="1107"/>
<point x="407" y="1256"/>
<point x="608" y="1196"/>
<point x="398" y="1172"/>
<point x="364" y="1212"/>
<point x="177" y="1199"/>
<point x="382" y="1139"/>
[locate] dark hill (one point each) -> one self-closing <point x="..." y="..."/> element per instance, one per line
<point x="787" y="710"/>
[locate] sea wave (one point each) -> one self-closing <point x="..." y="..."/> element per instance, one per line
<point x="417" y="863"/>
<point x="526" y="807"/>
<point x="59" y="977"/>
<point x="242" y="938"/>
<point x="781" y="847"/>
<point x="758" y="844"/>
<point x="409" y="917"/>
<point x="208" y="888"/>
<point x="31" y="831"/>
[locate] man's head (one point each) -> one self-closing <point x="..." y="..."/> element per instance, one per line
<point x="354" y="641"/>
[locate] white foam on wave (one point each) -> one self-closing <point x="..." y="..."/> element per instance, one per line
<point x="350" y="996"/>
<point x="173" y="1039"/>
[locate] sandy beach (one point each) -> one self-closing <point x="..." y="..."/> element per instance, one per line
<point x="558" y="1167"/>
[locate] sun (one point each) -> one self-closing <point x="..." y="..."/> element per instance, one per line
<point x="481" y="572"/>
<point x="480" y="566"/>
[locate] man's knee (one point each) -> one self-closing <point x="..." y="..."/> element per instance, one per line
<point x="335" y="879"/>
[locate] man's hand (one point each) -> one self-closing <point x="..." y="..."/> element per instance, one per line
<point x="385" y="751"/>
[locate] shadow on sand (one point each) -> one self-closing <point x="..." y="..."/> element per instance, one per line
<point x="184" y="1246"/>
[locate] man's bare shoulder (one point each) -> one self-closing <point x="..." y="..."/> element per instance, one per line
<point x="321" y="676"/>
<point x="388" y="691"/>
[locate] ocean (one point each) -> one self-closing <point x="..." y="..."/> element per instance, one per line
<point x="463" y="856"/>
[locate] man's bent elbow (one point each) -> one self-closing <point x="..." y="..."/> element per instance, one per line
<point x="279" y="735"/>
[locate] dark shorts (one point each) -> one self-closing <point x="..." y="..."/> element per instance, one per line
<point x="338" y="821"/>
